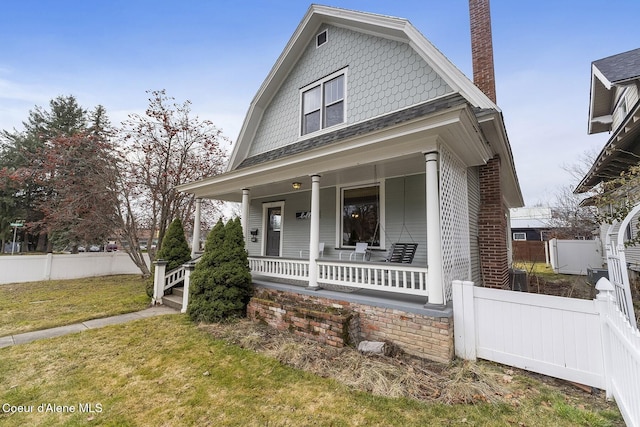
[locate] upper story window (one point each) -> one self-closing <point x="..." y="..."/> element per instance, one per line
<point x="621" y="104"/>
<point x="323" y="103"/>
<point x="623" y="107"/>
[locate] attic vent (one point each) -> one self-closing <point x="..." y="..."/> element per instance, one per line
<point x="321" y="38"/>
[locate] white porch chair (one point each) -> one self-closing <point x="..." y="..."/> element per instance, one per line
<point x="320" y="250"/>
<point x="361" y="249"/>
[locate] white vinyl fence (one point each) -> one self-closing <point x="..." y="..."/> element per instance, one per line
<point x="575" y="256"/>
<point x="31" y="268"/>
<point x="585" y="341"/>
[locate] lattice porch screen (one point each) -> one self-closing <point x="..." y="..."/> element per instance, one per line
<point x="454" y="221"/>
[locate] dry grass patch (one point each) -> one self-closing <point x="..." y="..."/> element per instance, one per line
<point x="482" y="384"/>
<point x="26" y="307"/>
<point x="165" y="371"/>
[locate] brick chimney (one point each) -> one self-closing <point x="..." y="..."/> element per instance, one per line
<point x="492" y="219"/>
<point x="482" y="47"/>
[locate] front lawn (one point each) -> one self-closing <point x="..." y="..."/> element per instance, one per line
<point x="167" y="371"/>
<point x="26" y="307"/>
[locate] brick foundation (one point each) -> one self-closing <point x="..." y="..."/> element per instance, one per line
<point x="339" y="323"/>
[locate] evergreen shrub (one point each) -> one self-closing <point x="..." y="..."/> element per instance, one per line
<point x="221" y="282"/>
<point x="174" y="249"/>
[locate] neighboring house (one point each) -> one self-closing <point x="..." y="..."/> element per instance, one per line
<point x="364" y="132"/>
<point x="615" y="108"/>
<point x="530" y="231"/>
<point x="531" y="223"/>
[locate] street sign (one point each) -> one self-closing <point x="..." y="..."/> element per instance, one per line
<point x="15" y="225"/>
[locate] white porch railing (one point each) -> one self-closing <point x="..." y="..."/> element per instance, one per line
<point x="282" y="268"/>
<point x="391" y="277"/>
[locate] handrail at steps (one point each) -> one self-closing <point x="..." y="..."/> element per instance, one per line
<point x="164" y="281"/>
<point x="174" y="277"/>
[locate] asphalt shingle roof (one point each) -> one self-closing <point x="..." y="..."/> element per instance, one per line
<point x="355" y="130"/>
<point x="620" y="67"/>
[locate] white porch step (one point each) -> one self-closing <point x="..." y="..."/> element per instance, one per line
<point x="174" y="299"/>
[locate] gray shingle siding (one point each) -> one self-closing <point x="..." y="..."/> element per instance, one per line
<point x="356" y="130"/>
<point x="383" y="76"/>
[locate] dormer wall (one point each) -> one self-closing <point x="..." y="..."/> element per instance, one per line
<point x="381" y="76"/>
<point x="626" y="97"/>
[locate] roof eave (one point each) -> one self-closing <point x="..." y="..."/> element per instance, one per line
<point x="492" y="124"/>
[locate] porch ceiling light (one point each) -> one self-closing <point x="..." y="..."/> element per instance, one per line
<point x="296" y="185"/>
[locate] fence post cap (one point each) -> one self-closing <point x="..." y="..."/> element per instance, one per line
<point x="604" y="285"/>
<point x="161" y="262"/>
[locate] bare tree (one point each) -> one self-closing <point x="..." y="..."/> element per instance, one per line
<point x="579" y="168"/>
<point x="570" y="219"/>
<point x="162" y="149"/>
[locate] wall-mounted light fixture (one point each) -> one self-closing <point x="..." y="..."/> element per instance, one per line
<point x="296" y="185"/>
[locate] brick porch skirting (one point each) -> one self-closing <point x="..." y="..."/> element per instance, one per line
<point x="340" y="323"/>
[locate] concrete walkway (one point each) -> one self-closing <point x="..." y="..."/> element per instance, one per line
<point x="89" y="324"/>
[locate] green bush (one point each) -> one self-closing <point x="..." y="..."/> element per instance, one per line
<point x="174" y="249"/>
<point x="221" y="281"/>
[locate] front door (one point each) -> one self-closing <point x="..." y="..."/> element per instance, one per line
<point x="274" y="227"/>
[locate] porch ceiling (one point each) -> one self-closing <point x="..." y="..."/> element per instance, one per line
<point x="393" y="151"/>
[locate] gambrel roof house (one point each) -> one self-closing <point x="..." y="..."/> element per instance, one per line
<point x="614" y="107"/>
<point x="367" y="161"/>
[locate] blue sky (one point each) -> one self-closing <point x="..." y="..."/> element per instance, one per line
<point x="217" y="53"/>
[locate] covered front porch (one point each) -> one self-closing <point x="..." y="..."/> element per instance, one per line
<point x="311" y="229"/>
<point x="306" y="208"/>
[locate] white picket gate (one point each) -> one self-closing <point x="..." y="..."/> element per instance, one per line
<point x="585" y="341"/>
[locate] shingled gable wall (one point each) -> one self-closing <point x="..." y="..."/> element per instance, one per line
<point x="492" y="220"/>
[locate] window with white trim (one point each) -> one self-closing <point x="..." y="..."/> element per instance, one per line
<point x="519" y="236"/>
<point x="361" y="215"/>
<point x="323" y="103"/>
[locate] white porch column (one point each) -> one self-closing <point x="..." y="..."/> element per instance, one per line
<point x="244" y="219"/>
<point x="195" y="242"/>
<point x="158" y="281"/>
<point x="434" y="246"/>
<point x="314" y="232"/>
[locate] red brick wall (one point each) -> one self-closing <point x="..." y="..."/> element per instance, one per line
<point x="492" y="228"/>
<point x="482" y="47"/>
<point x="422" y="336"/>
<point x="324" y="323"/>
